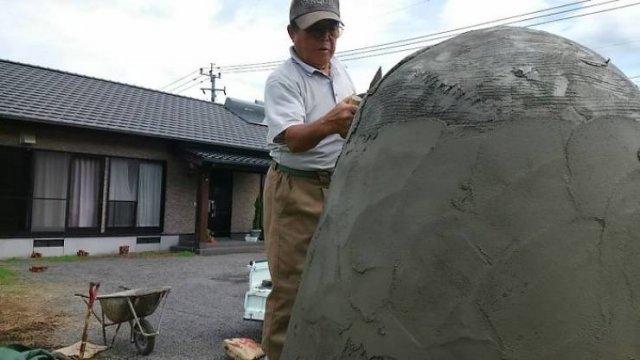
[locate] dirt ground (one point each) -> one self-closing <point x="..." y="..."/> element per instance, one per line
<point x="31" y="311"/>
<point x="205" y="306"/>
<point x="28" y="314"/>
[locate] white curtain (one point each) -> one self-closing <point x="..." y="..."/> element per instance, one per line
<point x="123" y="185"/>
<point x="123" y="191"/>
<point x="149" y="195"/>
<point x="51" y="172"/>
<point x="85" y="190"/>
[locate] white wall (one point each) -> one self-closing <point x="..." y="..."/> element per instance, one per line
<point x="15" y="248"/>
<point x="22" y="248"/>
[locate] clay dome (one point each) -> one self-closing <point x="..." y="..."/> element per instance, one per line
<point x="485" y="206"/>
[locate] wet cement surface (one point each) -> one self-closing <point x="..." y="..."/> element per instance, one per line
<point x="486" y="206"/>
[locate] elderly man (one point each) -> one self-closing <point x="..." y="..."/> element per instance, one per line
<point x="308" y="119"/>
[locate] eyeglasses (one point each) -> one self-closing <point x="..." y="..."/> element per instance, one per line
<point x="318" y="31"/>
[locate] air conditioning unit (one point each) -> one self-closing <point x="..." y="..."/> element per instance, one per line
<point x="27" y="139"/>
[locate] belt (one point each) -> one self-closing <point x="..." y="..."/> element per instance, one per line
<point x="309" y="174"/>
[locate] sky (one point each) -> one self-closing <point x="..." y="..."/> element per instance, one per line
<point x="163" y="44"/>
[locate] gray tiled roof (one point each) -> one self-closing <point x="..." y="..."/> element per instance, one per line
<point x="39" y="94"/>
<point x="218" y="157"/>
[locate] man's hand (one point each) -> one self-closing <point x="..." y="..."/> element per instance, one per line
<point x="341" y="116"/>
<point x="305" y="137"/>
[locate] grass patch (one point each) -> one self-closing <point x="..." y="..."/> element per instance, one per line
<point x="185" y="254"/>
<point x="64" y="258"/>
<point x="7" y="277"/>
<point x="158" y="254"/>
<point x="73" y="258"/>
<point x="44" y="259"/>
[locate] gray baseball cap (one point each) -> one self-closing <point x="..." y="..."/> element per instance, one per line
<point x="308" y="12"/>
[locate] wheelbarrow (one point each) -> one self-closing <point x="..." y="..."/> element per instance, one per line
<point x="131" y="306"/>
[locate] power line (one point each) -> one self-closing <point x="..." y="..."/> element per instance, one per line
<point x="423" y="39"/>
<point x="196" y="78"/>
<point x="530" y="25"/>
<point x="180" y="85"/>
<point x="411" y="41"/>
<point x="277" y="62"/>
<point x="583" y="15"/>
<point x="189" y="87"/>
<point x="390" y="52"/>
<point x="182" y="78"/>
<point x="385" y="51"/>
<point x="382" y="48"/>
<point x="340" y="53"/>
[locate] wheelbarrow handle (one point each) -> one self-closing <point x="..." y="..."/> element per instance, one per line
<point x="93" y="292"/>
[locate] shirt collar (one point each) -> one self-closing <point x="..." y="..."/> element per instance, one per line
<point x="308" y="69"/>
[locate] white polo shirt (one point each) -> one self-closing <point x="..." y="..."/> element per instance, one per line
<point x="297" y="93"/>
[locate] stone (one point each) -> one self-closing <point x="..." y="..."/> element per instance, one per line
<point x="486" y="206"/>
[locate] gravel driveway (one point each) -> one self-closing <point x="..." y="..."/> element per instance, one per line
<point x="204" y="307"/>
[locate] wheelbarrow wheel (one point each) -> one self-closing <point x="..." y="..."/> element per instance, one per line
<point x="144" y="344"/>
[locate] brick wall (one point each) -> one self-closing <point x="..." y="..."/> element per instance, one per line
<point x="245" y="190"/>
<point x="180" y="197"/>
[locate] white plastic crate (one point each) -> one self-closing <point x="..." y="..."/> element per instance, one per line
<point x="255" y="299"/>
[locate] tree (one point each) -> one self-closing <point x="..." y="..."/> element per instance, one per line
<point x="257" y="214"/>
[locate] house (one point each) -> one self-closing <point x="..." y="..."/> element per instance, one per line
<point x="90" y="164"/>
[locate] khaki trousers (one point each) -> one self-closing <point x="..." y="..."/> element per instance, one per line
<point x="292" y="208"/>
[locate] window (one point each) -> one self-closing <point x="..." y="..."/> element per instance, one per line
<point x="150" y="195"/>
<point x="135" y="194"/>
<point x="66" y="192"/>
<point x="49" y="192"/>
<point x="84" y="193"/>
<point x="14" y="190"/>
<point x="50" y="187"/>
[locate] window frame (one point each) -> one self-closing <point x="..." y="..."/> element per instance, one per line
<point x="33" y="198"/>
<point x="102" y="229"/>
<point x="136" y="229"/>
<point x="101" y="188"/>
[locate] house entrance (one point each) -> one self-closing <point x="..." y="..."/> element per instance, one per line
<point x="220" y="195"/>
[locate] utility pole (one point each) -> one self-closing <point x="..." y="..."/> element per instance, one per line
<point x="213" y="78"/>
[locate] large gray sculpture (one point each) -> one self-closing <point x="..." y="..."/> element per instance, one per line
<point x="486" y="206"/>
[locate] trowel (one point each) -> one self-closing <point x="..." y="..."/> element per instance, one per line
<point x="357" y="99"/>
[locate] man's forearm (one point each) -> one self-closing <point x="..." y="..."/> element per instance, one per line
<point x="304" y="137"/>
